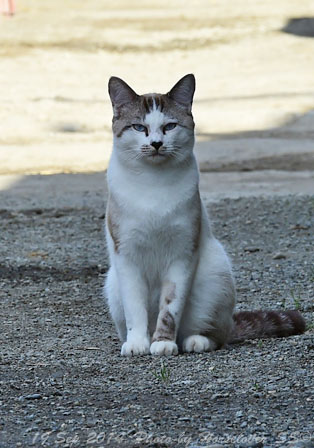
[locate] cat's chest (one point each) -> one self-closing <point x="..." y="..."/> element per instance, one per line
<point x="160" y="233"/>
<point x="154" y="216"/>
<point x="155" y="230"/>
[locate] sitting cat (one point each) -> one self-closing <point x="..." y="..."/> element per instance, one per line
<point x="170" y="282"/>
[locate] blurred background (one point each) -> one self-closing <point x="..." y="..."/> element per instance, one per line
<point x="253" y="62"/>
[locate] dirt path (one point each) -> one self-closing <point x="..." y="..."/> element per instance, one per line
<point x="64" y="383"/>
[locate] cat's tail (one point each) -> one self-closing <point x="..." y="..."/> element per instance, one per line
<point x="266" y="324"/>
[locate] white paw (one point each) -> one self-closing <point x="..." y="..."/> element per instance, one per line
<point x="164" y="348"/>
<point x="197" y="343"/>
<point x="135" y="347"/>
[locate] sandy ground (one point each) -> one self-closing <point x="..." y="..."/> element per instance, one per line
<point x="62" y="379"/>
<point x="255" y="84"/>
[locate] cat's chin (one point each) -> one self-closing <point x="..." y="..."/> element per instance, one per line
<point x="156" y="159"/>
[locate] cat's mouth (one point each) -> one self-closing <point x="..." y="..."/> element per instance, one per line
<point x="153" y="154"/>
<point x="157" y="154"/>
<point x="156" y="157"/>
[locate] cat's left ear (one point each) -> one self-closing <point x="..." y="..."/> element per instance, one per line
<point x="183" y="91"/>
<point x="120" y="92"/>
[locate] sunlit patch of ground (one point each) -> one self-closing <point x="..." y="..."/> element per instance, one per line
<point x="56" y="58"/>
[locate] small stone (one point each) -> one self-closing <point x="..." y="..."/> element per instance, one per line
<point x="33" y="397"/>
<point x="251" y="249"/>
<point x="57" y="393"/>
<point x="303" y="444"/>
<point x="252" y="445"/>
<point x="279" y="256"/>
<point x="29" y="417"/>
<point x="300" y="227"/>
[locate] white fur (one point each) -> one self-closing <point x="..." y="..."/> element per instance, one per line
<point x="156" y="224"/>
<point x="164" y="348"/>
<point x="198" y="343"/>
<point x="155" y="120"/>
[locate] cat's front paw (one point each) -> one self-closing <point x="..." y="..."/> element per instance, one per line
<point x="198" y="344"/>
<point x="135" y="347"/>
<point x="164" y="348"/>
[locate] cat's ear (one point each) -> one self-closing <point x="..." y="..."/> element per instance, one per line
<point x="120" y="92"/>
<point x="183" y="91"/>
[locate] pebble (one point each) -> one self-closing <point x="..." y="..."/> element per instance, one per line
<point x="279" y="256"/>
<point x="33" y="397"/>
<point x="303" y="444"/>
<point x="300" y="227"/>
<point x="252" y="445"/>
<point x="252" y="249"/>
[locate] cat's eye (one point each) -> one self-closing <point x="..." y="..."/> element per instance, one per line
<point x="139" y="127"/>
<point x="169" y="126"/>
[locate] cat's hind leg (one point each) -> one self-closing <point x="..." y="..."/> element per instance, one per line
<point x="207" y="318"/>
<point x="113" y="296"/>
<point x="198" y="343"/>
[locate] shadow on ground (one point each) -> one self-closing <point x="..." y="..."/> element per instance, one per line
<point x="278" y="160"/>
<point x="287" y="147"/>
<point x="301" y="26"/>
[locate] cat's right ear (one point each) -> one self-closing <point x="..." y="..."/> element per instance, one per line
<point x="120" y="92"/>
<point x="183" y="91"/>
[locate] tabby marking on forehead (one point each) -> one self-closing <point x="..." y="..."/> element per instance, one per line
<point x="154" y="101"/>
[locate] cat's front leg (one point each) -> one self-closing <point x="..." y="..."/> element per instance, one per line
<point x="172" y="299"/>
<point x="134" y="294"/>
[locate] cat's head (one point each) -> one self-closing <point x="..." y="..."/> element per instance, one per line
<point x="153" y="128"/>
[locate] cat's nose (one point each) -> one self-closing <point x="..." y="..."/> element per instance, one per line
<point x="156" y="145"/>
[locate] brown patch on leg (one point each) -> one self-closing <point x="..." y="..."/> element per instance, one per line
<point x="166" y="327"/>
<point x="194" y="207"/>
<point x="113" y="222"/>
<point x="168" y="294"/>
<point x="197" y="224"/>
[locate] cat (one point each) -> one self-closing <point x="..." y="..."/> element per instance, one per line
<point x="170" y="285"/>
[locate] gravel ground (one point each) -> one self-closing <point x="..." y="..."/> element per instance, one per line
<point x="63" y="382"/>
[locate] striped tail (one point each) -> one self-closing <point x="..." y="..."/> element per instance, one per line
<point x="266" y="324"/>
